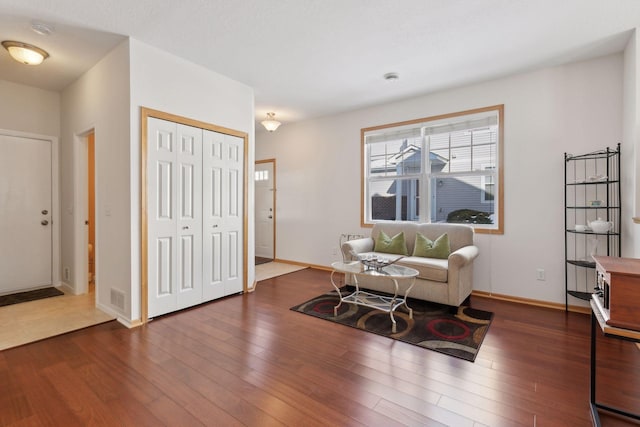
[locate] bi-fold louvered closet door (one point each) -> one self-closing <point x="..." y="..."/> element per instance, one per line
<point x="194" y="215"/>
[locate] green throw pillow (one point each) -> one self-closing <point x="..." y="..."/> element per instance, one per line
<point x="432" y="249"/>
<point x="391" y="245"/>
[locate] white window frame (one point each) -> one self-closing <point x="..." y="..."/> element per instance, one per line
<point x="484" y="183"/>
<point x="427" y="178"/>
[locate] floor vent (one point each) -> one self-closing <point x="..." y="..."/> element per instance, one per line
<point x="117" y="298"/>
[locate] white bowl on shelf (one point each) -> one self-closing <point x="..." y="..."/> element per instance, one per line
<point x="600" y="226"/>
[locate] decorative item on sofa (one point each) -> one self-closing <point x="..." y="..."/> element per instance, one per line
<point x="447" y="280"/>
<point x="425" y="248"/>
<point x="391" y="245"/>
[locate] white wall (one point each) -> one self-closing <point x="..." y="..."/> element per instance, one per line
<point x="575" y="108"/>
<point x="167" y="83"/>
<point x="29" y="109"/>
<point x="108" y="99"/>
<point x="99" y="100"/>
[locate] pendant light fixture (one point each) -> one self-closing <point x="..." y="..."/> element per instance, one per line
<point x="271" y="123"/>
<point x="25" y="53"/>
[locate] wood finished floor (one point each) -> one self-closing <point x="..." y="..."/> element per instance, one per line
<point x="249" y="360"/>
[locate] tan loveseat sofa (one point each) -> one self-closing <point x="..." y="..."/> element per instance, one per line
<point x="446" y="281"/>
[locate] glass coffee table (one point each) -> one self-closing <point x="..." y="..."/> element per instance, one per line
<point x="388" y="304"/>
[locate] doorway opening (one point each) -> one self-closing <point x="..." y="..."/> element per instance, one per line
<point x="86" y="269"/>
<point x="91" y="211"/>
<point x="265" y="205"/>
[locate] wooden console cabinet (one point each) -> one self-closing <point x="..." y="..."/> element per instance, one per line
<point x="618" y="288"/>
<point x="600" y="320"/>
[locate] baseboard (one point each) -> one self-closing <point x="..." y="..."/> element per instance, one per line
<point x="533" y="302"/>
<point x="130" y="323"/>
<point x="118" y="316"/>
<point x="320" y="267"/>
<point x="481" y="294"/>
<point x="303" y="264"/>
<point x="66" y="288"/>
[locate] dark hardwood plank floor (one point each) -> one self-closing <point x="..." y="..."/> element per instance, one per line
<point x="249" y="360"/>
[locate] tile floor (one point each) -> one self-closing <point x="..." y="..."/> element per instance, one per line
<point x="35" y="320"/>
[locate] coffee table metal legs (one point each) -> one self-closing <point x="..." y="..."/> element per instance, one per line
<point x="378" y="302"/>
<point x="335" y="309"/>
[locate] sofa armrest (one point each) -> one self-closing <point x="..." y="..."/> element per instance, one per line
<point x="351" y="248"/>
<point x="463" y="256"/>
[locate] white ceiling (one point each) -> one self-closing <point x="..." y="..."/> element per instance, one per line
<point x="308" y="58"/>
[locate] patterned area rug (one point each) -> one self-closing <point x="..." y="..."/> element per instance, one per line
<point x="434" y="326"/>
<point x="29" y="296"/>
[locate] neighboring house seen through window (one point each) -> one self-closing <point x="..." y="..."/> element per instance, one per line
<point x="440" y="169"/>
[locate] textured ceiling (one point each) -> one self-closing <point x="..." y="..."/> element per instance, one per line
<point x="308" y="58"/>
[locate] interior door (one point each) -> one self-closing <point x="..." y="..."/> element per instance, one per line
<point x="25" y="213"/>
<point x="161" y="211"/>
<point x="189" y="216"/>
<point x="265" y="213"/>
<point x="223" y="171"/>
<point x="174" y="215"/>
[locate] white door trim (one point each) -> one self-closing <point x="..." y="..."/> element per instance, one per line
<point x="55" y="198"/>
<point x="145" y="113"/>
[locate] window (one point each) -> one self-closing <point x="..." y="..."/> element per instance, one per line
<point x="440" y="169"/>
<point x="488" y="186"/>
<point x="262" y="175"/>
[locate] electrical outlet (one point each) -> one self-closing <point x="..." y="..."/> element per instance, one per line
<point x="540" y="274"/>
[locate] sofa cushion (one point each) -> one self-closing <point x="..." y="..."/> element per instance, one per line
<point x="428" y="268"/>
<point x="391" y="245"/>
<point x="427" y="248"/>
<point x="433" y="269"/>
<point x="460" y="235"/>
<point x="391" y="228"/>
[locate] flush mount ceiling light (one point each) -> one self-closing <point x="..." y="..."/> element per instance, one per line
<point x="25" y="53"/>
<point x="271" y="123"/>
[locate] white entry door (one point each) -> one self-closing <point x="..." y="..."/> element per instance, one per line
<point x="265" y="214"/>
<point x="25" y="213"/>
<point x="174" y="215"/>
<point x="222" y="199"/>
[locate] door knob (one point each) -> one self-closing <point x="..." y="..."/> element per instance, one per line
<point x="270" y="217"/>
<point x="44" y="212"/>
<point x="44" y="222"/>
<point x="186" y="227"/>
